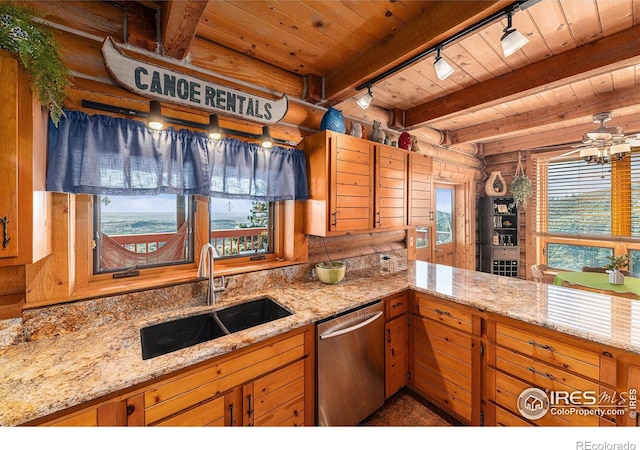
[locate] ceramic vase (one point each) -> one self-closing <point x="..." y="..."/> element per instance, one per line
<point x="616" y="277"/>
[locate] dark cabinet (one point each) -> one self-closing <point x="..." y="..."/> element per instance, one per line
<point x="499" y="236"/>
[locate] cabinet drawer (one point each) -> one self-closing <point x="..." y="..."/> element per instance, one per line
<point x="444" y="312"/>
<point x="201" y="384"/>
<point x="507" y="253"/>
<point x="505" y="395"/>
<point x="210" y="413"/>
<point x="396" y="305"/>
<point x="551" y="351"/>
<point x="540" y="374"/>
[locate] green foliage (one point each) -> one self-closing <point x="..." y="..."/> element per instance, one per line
<point x="37" y="51"/>
<point x="520" y="190"/>
<point x="617" y="262"/>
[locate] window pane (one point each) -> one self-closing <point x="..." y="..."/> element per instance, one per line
<point x="579" y="198"/>
<point x="141" y="231"/>
<point x="240" y="227"/>
<point x="573" y="257"/>
<point x="444" y="216"/>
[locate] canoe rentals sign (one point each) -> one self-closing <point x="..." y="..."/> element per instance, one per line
<point x="162" y="84"/>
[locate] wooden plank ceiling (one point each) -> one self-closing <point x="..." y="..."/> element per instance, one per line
<point x="582" y="58"/>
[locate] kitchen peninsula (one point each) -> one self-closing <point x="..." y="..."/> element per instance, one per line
<point x="62" y="368"/>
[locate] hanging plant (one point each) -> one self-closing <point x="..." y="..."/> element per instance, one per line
<point x="520" y="187"/>
<point x="37" y="51"/>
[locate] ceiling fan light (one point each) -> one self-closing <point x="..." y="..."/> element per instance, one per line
<point x="620" y="149"/>
<point x="589" y="152"/>
<point x="155" y="121"/>
<point x="366" y="99"/>
<point x="443" y="68"/>
<point x="512" y="41"/>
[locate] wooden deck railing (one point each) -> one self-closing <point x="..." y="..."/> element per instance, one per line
<point x="227" y="242"/>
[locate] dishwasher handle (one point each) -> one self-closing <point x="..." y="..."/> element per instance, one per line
<point x="352" y="328"/>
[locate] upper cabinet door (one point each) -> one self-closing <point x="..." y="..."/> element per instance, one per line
<point x="391" y="187"/>
<point x="25" y="207"/>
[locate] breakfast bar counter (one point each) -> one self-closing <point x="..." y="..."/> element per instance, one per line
<point x="51" y="367"/>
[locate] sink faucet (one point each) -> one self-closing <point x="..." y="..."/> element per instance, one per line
<point x="205" y="268"/>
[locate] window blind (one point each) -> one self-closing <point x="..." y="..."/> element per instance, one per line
<point x="576" y="198"/>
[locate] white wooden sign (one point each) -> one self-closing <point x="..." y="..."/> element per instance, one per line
<point x="159" y="83"/>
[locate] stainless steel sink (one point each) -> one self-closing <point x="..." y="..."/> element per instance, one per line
<point x="181" y="333"/>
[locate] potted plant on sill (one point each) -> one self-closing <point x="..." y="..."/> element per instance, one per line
<point x="613" y="267"/>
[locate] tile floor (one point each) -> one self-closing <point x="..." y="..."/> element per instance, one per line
<point x="407" y="409"/>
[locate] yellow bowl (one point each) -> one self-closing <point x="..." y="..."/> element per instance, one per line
<point x="331" y="273"/>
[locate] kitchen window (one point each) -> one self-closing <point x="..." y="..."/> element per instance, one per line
<point x="585" y="212"/>
<point x="141" y="231"/>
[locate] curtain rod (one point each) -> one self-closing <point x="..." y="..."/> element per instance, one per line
<point x="187" y="123"/>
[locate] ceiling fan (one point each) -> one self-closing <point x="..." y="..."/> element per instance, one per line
<point x="604" y="144"/>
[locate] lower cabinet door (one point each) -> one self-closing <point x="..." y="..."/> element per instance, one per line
<point x="396" y="354"/>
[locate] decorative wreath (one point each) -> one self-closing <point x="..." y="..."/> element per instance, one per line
<point x="38" y="53"/>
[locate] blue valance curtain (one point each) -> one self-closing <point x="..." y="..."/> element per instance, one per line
<point x="105" y="155"/>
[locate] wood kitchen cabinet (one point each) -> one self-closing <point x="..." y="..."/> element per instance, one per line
<point x="267" y="384"/>
<point x="396" y="360"/>
<point x="355" y="185"/>
<point x="523" y="356"/>
<point x="445" y="356"/>
<point x="25" y="207"/>
<point x="419" y="182"/>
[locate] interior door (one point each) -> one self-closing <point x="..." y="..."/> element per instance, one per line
<point x="444" y="244"/>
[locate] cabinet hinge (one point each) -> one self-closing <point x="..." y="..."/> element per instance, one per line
<point x="409" y="375"/>
<point x="481" y="349"/>
<point x="481" y="418"/>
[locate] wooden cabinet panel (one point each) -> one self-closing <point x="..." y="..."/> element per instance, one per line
<point x="396" y="354"/>
<point x="210" y="413"/>
<point x="84" y="419"/>
<point x="396" y="305"/>
<point x="444" y="312"/>
<point x="211" y="381"/>
<point x="24" y="204"/>
<point x="445" y="360"/>
<point x="552" y="351"/>
<point x="355" y="185"/>
<point x="280" y="396"/>
<point x="419" y="179"/>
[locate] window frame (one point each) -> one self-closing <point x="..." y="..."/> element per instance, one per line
<point x="621" y="243"/>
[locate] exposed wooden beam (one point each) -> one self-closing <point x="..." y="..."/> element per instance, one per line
<point x="560" y="136"/>
<point x="441" y="20"/>
<point x="609" y="101"/>
<point x="179" y="23"/>
<point x="584" y="62"/>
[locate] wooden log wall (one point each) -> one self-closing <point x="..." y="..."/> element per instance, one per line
<point x="341" y="247"/>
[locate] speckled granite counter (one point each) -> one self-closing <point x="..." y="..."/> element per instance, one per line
<point x="47" y="373"/>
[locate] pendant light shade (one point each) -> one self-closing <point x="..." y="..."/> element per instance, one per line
<point x="265" y="138"/>
<point x="512" y="40"/>
<point x="443" y="68"/>
<point x="213" y="131"/>
<point x="155" y="121"/>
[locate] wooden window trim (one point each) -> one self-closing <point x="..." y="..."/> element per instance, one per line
<point x="76" y="281"/>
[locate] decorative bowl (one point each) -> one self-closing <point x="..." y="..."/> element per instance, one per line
<point x="331" y="273"/>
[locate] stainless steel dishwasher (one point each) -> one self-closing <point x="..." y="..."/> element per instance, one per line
<point x="350" y="365"/>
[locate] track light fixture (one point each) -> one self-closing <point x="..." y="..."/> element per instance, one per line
<point x="155" y="121"/>
<point x="512" y="40"/>
<point x="366" y="99"/>
<point x="443" y="69"/>
<point x="213" y="130"/>
<point x="265" y="138"/>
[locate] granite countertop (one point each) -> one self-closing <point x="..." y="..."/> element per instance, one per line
<point x="46" y="375"/>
